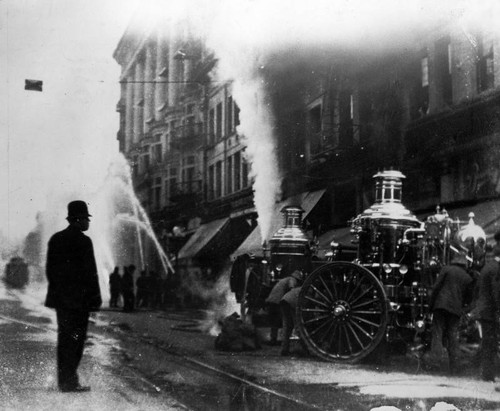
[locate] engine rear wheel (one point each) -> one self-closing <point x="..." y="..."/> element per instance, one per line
<point x="342" y="312"/>
<point x="251" y="290"/>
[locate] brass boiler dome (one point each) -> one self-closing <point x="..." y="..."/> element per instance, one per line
<point x="291" y="238"/>
<point x="384" y="224"/>
<point x="388" y="206"/>
<point x="471" y="239"/>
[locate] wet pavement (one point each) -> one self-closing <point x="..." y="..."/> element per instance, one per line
<point x="400" y="382"/>
<point x="160" y="360"/>
<point x="28" y="367"/>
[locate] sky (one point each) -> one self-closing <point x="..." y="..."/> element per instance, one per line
<point x="63" y="138"/>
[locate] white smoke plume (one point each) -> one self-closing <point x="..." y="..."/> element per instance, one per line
<point x="244" y="34"/>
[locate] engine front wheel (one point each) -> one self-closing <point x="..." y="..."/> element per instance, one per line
<point x="342" y="312"/>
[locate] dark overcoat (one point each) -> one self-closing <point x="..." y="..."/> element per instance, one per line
<point x="453" y="289"/>
<point x="488" y="302"/>
<point x="72" y="272"/>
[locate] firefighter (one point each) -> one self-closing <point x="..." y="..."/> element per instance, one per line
<point x="487" y="311"/>
<point x="452" y="291"/>
<point x="273" y="301"/>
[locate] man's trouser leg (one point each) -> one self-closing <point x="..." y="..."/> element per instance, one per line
<point x="287" y="315"/>
<point x="488" y="350"/>
<point x="438" y="325"/>
<point x="72" y="331"/>
<point x="452" y="324"/>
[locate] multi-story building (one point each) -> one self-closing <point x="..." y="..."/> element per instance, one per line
<point x="429" y="108"/>
<point x="178" y="131"/>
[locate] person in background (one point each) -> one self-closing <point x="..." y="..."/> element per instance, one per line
<point x="451" y="292"/>
<point x="288" y="307"/>
<point x="154" y="290"/>
<point x="114" y="287"/>
<point x="73" y="290"/>
<point x="142" y="287"/>
<point x="273" y="301"/>
<point x="128" y="288"/>
<point x="487" y="311"/>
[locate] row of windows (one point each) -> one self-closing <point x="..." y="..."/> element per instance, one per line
<point x="355" y="113"/>
<point x="216" y="120"/>
<point x="235" y="177"/>
<point x="485" y="75"/>
<point x="220" y="182"/>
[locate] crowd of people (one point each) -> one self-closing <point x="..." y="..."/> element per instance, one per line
<point x="149" y="290"/>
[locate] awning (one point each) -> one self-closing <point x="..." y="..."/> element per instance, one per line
<point x="202" y="237"/>
<point x="253" y="243"/>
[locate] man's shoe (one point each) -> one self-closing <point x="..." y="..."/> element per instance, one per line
<point x="76" y="388"/>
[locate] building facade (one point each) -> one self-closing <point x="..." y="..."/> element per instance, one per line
<point x="430" y="109"/>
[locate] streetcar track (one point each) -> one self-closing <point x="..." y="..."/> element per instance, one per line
<point x="191" y="360"/>
<point x="232" y="376"/>
<point x="54" y="330"/>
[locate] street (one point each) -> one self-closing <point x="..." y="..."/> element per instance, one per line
<point x="147" y="360"/>
<point x="28" y="367"/>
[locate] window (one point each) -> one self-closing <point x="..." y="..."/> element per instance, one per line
<point x="157" y="193"/>
<point x="145" y="163"/>
<point x="237" y="175"/>
<point x="218" y="129"/>
<point x="229" y="175"/>
<point x="244" y="173"/>
<point x="171" y="183"/>
<point x="236" y="115"/>
<point x="157" y="153"/>
<point x="443" y="68"/>
<point x="420" y="105"/>
<point x="172" y="136"/>
<point x="314" y="128"/>
<point x="135" y="166"/>
<point x="211" y="182"/>
<point x="189" y="127"/>
<point x="365" y="116"/>
<point x="229" y="122"/>
<point x="157" y="199"/>
<point x="218" y="179"/>
<point x="211" y="125"/>
<point x="346" y="131"/>
<point x="485" y="65"/>
<point x="188" y="178"/>
<point x="424" y="70"/>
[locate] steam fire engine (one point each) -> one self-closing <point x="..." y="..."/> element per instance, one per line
<point x="346" y="309"/>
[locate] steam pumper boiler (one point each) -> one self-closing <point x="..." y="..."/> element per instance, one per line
<point x="252" y="278"/>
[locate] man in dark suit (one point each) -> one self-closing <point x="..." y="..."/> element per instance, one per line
<point x="487" y="311"/>
<point x="452" y="291"/>
<point x="73" y="291"/>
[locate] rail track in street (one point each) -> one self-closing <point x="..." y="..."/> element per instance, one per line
<point x="223" y="386"/>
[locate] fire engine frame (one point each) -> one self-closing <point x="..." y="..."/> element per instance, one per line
<point x="346" y="309"/>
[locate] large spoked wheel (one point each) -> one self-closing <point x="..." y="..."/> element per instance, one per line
<point x="342" y="312"/>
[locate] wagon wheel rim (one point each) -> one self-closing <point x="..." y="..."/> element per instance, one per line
<point x="244" y="312"/>
<point x="342" y="312"/>
<point x="244" y="304"/>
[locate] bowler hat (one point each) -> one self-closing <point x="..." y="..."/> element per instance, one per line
<point x="78" y="208"/>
